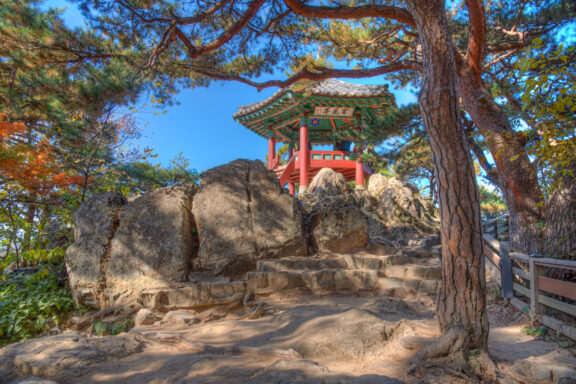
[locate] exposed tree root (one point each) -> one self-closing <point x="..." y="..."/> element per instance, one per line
<point x="451" y="353"/>
<point x="450" y="348"/>
<point x="415" y="367"/>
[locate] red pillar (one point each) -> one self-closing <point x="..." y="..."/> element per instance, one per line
<point x="359" y="175"/>
<point x="292" y="188"/>
<point x="271" y="151"/>
<point x="304" y="156"/>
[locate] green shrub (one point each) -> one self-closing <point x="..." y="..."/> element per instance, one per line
<point x="102" y="328"/>
<point x="32" y="304"/>
<point x="535" y="331"/>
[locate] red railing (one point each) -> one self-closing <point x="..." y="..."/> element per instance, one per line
<point x="285" y="175"/>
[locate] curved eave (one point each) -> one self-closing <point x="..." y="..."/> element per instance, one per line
<point x="332" y="92"/>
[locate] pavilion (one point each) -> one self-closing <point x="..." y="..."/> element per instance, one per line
<point x="329" y="112"/>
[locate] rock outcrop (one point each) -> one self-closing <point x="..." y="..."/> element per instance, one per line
<point x="95" y="223"/>
<point x="328" y="183"/>
<point x="333" y="221"/>
<point x="243" y="216"/>
<point x="121" y="248"/>
<point x="399" y="205"/>
<point x="171" y="247"/>
<point x="63" y="357"/>
<point x="336" y="224"/>
<point x="339" y="218"/>
<point x="153" y="245"/>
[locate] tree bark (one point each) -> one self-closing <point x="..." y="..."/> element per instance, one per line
<point x="560" y="233"/>
<point x="461" y="307"/>
<point x="517" y="177"/>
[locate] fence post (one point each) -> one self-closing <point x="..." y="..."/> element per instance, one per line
<point x="506" y="271"/>
<point x="496" y="228"/>
<point x="534" y="292"/>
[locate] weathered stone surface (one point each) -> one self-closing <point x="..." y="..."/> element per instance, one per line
<point x="337" y="224"/>
<point x="293" y="371"/>
<point x="144" y="317"/>
<point x="558" y="367"/>
<point x="328" y="183"/>
<point x="34" y="380"/>
<point x="63" y="357"/>
<point x="193" y="296"/>
<point x="153" y="244"/>
<point x="121" y="248"/>
<point x="181" y="317"/>
<point x="398" y="203"/>
<point x="319" y="282"/>
<point x="243" y="216"/>
<point x="300" y="264"/>
<point x="354" y="334"/>
<point x="94" y="225"/>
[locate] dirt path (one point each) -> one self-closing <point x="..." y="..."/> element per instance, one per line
<point x="303" y="339"/>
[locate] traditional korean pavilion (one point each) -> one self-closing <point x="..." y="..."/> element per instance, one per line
<point x="330" y="112"/>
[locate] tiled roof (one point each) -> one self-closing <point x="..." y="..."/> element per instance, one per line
<point x="329" y="87"/>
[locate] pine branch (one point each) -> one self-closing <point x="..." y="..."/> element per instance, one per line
<point x="319" y="73"/>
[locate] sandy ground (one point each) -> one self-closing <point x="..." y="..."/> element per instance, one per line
<point x="304" y="339"/>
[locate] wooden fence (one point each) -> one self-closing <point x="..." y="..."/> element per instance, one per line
<point x="523" y="275"/>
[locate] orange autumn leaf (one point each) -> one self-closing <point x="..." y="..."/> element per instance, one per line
<point x="34" y="168"/>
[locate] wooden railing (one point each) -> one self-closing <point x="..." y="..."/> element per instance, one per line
<point x="524" y="275"/>
<point x="497" y="227"/>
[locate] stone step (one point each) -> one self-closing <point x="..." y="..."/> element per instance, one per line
<point x="403" y="267"/>
<point x="421" y="253"/>
<point x="412" y="271"/>
<point x="335" y="281"/>
<point x="402" y="259"/>
<point x="299" y="264"/>
<point x="194" y="295"/>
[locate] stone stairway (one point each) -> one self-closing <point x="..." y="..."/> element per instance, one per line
<point x="408" y="272"/>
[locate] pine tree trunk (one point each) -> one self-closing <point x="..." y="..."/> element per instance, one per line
<point x="560" y="233"/>
<point x="461" y="307"/>
<point x="517" y="176"/>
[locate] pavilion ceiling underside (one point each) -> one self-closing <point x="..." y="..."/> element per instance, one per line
<point x="339" y="120"/>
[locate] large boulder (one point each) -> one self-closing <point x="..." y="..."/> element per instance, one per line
<point x="121" y="248"/>
<point x="95" y="223"/>
<point x="243" y="216"/>
<point x="334" y="219"/>
<point x="328" y="183"/>
<point x="398" y="204"/>
<point x="336" y="224"/>
<point x="154" y="243"/>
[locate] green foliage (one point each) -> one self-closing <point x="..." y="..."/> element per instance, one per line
<point x="139" y="176"/>
<point x="491" y="201"/>
<point x="31" y="304"/>
<point x="403" y="149"/>
<point x="496" y="293"/>
<point x="103" y="328"/>
<point x="549" y="99"/>
<point x="535" y="331"/>
<point x="526" y="308"/>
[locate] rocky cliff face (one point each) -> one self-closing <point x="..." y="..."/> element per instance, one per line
<point x="175" y="237"/>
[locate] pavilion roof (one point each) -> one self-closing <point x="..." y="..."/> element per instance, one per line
<point x="328" y="88"/>
<point x="336" y="110"/>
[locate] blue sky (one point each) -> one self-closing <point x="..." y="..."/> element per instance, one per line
<point x="201" y="126"/>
